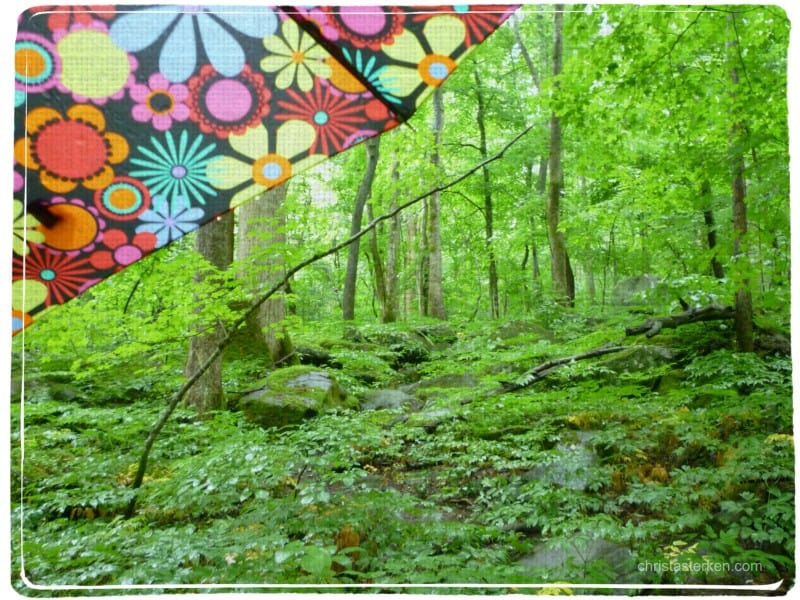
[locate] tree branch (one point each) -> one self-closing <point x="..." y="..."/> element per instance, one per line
<point x="181" y="393"/>
<point x="651" y="327"/>
<point x="541" y="371"/>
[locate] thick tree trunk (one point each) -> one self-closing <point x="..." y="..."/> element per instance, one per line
<point x="363" y="194"/>
<point x="261" y="226"/>
<point x="435" y="304"/>
<point x="558" y="251"/>
<point x="488" y="203"/>
<point x="214" y="242"/>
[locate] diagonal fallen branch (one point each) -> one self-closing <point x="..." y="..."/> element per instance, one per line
<point x="181" y="393"/>
<point x="541" y="371"/>
<point x="651" y="327"/>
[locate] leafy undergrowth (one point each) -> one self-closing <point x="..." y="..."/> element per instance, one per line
<point x="684" y="469"/>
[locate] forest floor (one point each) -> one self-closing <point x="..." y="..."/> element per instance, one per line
<point x="669" y="463"/>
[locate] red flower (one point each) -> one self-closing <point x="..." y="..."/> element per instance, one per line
<point x="61" y="17"/>
<point x="122" y="251"/>
<point x="64" y="276"/>
<point x="334" y="117"/>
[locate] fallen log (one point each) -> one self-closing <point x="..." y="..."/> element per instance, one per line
<point x="541" y="371"/>
<point x="712" y="312"/>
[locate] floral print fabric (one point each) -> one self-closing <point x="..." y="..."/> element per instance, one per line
<point x="135" y="125"/>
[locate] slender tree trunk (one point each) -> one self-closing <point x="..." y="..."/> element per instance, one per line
<point x="378" y="269"/>
<point x="391" y="308"/>
<point x="743" y="319"/>
<point x="711" y="229"/>
<point x="261" y="237"/>
<point x="435" y="305"/>
<point x="558" y="251"/>
<point x="214" y="242"/>
<point x="363" y="194"/>
<point x="488" y="204"/>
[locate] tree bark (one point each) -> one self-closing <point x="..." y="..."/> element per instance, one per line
<point x="214" y="242"/>
<point x="261" y="237"/>
<point x="488" y="204"/>
<point x="651" y="327"/>
<point x="363" y="194"/>
<point x="711" y="229"/>
<point x="558" y="250"/>
<point x="390" y="310"/>
<point x="435" y="304"/>
<point x="743" y="321"/>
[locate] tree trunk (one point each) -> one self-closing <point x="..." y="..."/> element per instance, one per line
<point x="435" y="304"/>
<point x="391" y="308"/>
<point x="363" y="194"/>
<point x="711" y="229"/>
<point x="214" y="242"/>
<point x="558" y="251"/>
<point x="743" y="320"/>
<point x="488" y="205"/>
<point x="261" y="237"/>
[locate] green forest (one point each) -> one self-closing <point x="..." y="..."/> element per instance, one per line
<point x="536" y="340"/>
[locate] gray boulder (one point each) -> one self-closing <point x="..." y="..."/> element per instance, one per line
<point x="292" y="395"/>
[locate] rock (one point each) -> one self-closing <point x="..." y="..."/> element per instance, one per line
<point x="631" y="291"/>
<point x="388" y="400"/>
<point x="429" y="420"/>
<point x="293" y="395"/>
<point x="579" y="552"/>
<point x="570" y="465"/>
<point x="450" y="380"/>
<point x="638" y="358"/>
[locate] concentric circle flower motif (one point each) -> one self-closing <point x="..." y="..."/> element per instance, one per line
<point x="122" y="250"/>
<point x="177" y="25"/>
<point x="172" y="169"/>
<point x="25" y="231"/>
<point x="479" y="21"/>
<point x="366" y="26"/>
<point x="294" y="55"/>
<point x="272" y="159"/>
<point x="225" y="105"/>
<point x="37" y="65"/>
<point x="125" y="199"/>
<point x="100" y="79"/>
<point x="170" y="219"/>
<point x="159" y="102"/>
<point x="76" y="227"/>
<point x="70" y="150"/>
<point x="416" y="66"/>
<point x="51" y="278"/>
<point x="333" y="117"/>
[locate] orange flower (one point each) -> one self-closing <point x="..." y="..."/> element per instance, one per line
<point x="70" y="151"/>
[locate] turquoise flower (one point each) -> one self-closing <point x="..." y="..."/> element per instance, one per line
<point x="176" y="169"/>
<point x="177" y="61"/>
<point x="170" y="219"/>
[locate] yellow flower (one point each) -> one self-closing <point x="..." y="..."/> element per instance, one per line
<point x="295" y="55"/>
<point x="444" y="35"/>
<point x="25" y="229"/>
<point x="265" y="170"/>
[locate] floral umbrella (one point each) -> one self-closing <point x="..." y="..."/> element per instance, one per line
<point x="135" y="125"/>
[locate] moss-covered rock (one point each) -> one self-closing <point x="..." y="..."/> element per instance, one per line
<point x="294" y="394"/>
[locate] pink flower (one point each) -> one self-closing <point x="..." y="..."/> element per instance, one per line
<point x="159" y="102"/>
